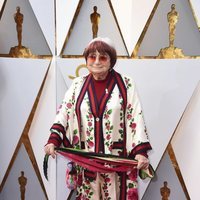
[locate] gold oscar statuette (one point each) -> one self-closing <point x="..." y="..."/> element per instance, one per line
<point x="165" y="191"/>
<point x="19" y="50"/>
<point x="171" y="51"/>
<point x="22" y="182"/>
<point x="95" y="18"/>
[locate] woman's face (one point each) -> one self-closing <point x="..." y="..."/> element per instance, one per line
<point x="98" y="64"/>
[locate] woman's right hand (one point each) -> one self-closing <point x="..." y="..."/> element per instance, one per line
<point x="50" y="150"/>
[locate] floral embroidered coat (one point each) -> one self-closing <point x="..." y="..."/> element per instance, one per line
<point x="113" y="126"/>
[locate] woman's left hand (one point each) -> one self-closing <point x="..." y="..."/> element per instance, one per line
<point x="143" y="162"/>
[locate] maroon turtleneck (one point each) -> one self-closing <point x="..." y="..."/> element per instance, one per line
<point x="100" y="86"/>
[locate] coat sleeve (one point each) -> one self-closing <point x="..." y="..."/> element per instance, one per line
<point x="137" y="138"/>
<point x="64" y="116"/>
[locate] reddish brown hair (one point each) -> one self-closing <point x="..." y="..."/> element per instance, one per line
<point x="103" y="48"/>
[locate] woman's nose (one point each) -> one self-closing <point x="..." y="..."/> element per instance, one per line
<point x="97" y="60"/>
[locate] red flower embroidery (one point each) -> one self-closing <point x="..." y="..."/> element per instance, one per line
<point x="79" y="197"/>
<point x="108" y="127"/>
<point x="88" y="133"/>
<point x="105" y="187"/>
<point x="132" y="194"/>
<point x="129" y="116"/>
<point x="89" y="123"/>
<point x="129" y="106"/>
<point x="90" y="143"/>
<point x="75" y="139"/>
<point x="133" y="125"/>
<point x="69" y="105"/>
<point x="108" y="137"/>
<point x="106" y="194"/>
<point x="133" y="145"/>
<point x="107" y="180"/>
<point x="87" y="191"/>
<point x="110" y="147"/>
<point x="133" y="175"/>
<point x="106" y="116"/>
<point x="90" y="115"/>
<point x="87" y="182"/>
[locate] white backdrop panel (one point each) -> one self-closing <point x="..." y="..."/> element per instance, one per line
<point x="186" y="145"/>
<point x="61" y="87"/>
<point x="65" y="11"/>
<point x="196" y="8"/>
<point x="1" y="4"/>
<point x="68" y="68"/>
<point x="39" y="131"/>
<point x="20" y="81"/>
<point x="44" y="12"/>
<point x="132" y="16"/>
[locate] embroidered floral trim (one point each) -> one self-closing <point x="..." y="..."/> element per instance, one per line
<point x="107" y="183"/>
<point x="90" y="127"/>
<point x="108" y="128"/>
<point x="88" y="192"/>
<point x="128" y="82"/>
<point x="76" y="139"/>
<point x="132" y="192"/>
<point x="121" y="129"/>
<point x="130" y="118"/>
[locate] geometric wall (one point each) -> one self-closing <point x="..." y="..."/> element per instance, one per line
<point x="31" y="89"/>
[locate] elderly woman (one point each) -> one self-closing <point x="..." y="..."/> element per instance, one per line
<point x="101" y="113"/>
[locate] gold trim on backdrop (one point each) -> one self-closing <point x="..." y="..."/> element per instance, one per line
<point x="137" y="46"/>
<point x="71" y="26"/>
<point x="116" y="21"/>
<point x="24" y="139"/>
<point x="35" y="57"/>
<point x="170" y="151"/>
<point x="194" y="14"/>
<point x="72" y="56"/>
<point x="156" y="57"/>
<point x="177" y="169"/>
